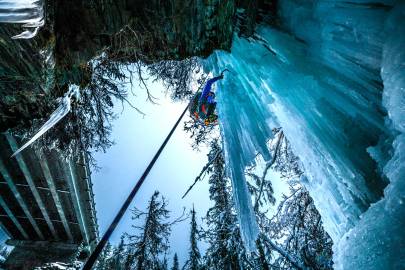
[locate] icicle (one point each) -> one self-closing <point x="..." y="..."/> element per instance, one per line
<point x="238" y="103"/>
<point x="62" y="110"/>
<point x="27" y="34"/>
<point x="30" y="13"/>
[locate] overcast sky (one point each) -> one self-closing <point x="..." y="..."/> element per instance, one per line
<point x="137" y="139"/>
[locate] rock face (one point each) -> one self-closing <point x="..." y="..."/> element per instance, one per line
<point x="133" y="30"/>
<point x="77" y="31"/>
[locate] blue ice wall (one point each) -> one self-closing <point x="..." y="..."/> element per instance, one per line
<point x="245" y="127"/>
<point x="321" y="75"/>
<point x="378" y="239"/>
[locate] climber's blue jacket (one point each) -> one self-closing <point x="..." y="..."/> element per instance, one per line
<point x="207" y="89"/>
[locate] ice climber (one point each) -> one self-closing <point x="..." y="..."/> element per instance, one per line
<point x="203" y="104"/>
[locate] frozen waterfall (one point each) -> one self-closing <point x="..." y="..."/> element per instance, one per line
<point x="332" y="74"/>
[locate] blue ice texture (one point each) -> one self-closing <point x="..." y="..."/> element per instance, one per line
<point x="332" y="75"/>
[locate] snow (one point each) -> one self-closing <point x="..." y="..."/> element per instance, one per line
<point x="334" y="80"/>
<point x="61" y="266"/>
<point x="30" y="13"/>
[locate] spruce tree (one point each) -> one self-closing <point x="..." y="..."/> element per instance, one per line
<point x="130" y="257"/>
<point x="163" y="265"/>
<point x="225" y="251"/>
<point x="176" y="265"/>
<point x="295" y="232"/>
<point x="103" y="259"/>
<point x="151" y="244"/>
<point x="261" y="256"/>
<point x="116" y="260"/>
<point x="194" y="256"/>
<point x="299" y="220"/>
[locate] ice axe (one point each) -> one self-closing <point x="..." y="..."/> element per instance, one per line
<point x="232" y="72"/>
<point x="222" y="73"/>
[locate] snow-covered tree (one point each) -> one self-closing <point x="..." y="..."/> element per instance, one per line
<point x="118" y="256"/>
<point x="225" y="249"/>
<point x="298" y="227"/>
<point x="129" y="258"/>
<point x="149" y="247"/>
<point x="164" y="264"/>
<point x="104" y="258"/>
<point x="283" y="161"/>
<point x="261" y="259"/>
<point x="3" y="253"/>
<point x="295" y="232"/>
<point x="194" y="256"/>
<point x="176" y="265"/>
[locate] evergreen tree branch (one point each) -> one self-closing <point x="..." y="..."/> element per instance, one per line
<point x="204" y="169"/>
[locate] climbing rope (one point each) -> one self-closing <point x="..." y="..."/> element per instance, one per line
<point x="96" y="252"/>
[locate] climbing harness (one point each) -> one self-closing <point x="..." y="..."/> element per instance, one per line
<point x="199" y="113"/>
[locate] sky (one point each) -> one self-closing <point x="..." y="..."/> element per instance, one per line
<point x="137" y="138"/>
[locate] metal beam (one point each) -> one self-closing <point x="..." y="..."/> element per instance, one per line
<point x="19" y="198"/>
<point x="89" y="190"/>
<point x="53" y="220"/>
<point x="13" y="218"/>
<point x="43" y="188"/>
<point x="74" y="192"/>
<point x="24" y="168"/>
<point x="55" y="195"/>
<point x="41" y="244"/>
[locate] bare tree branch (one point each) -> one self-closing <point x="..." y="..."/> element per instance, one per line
<point x="282" y="252"/>
<point x="268" y="165"/>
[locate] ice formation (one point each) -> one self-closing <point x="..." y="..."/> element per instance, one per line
<point x="30" y="13"/>
<point x="333" y="76"/>
<point x="378" y="240"/>
<point x="61" y="111"/>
